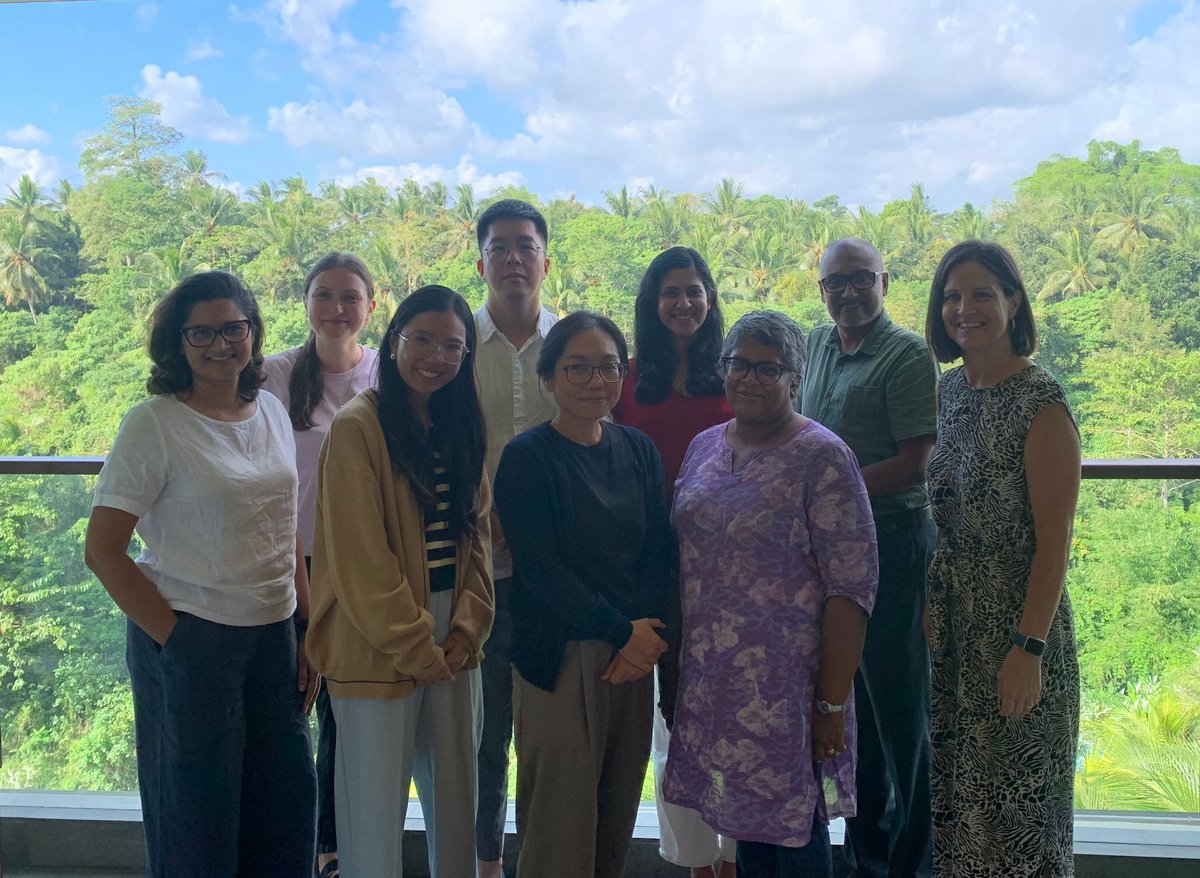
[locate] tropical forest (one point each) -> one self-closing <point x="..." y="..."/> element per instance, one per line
<point x="1109" y="244"/>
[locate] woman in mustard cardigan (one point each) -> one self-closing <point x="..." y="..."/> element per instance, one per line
<point x="402" y="591"/>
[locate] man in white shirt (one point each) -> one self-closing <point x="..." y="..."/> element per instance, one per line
<point x="509" y="329"/>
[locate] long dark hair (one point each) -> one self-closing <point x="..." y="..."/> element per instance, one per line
<point x="457" y="417"/>
<point x="656" y="356"/>
<point x="169" y="370"/>
<point x="306" y="386"/>
<point x="999" y="263"/>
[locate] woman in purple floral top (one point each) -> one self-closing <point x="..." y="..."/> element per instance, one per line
<point x="778" y="575"/>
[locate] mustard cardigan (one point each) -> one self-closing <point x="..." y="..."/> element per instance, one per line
<point x="370" y="632"/>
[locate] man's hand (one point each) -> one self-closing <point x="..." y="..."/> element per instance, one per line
<point x="644" y="647"/>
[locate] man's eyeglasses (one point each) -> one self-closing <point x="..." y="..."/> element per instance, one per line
<point x="861" y="280"/>
<point x="581" y="373"/>
<point x="766" y="371"/>
<point x="204" y="336"/>
<point x="526" y="251"/>
<point x="422" y="346"/>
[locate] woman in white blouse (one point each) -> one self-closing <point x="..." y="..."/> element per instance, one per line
<point x="205" y="472"/>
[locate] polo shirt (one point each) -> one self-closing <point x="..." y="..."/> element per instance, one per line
<point x="881" y="393"/>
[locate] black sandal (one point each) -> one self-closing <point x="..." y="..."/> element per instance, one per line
<point x="330" y="870"/>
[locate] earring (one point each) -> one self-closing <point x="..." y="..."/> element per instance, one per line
<point x="393" y="355"/>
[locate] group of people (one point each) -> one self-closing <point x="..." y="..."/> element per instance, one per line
<point x="802" y="575"/>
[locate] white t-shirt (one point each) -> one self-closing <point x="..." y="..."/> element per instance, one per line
<point x="216" y="507"/>
<point x="340" y="388"/>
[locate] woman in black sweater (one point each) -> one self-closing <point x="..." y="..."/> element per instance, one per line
<point x="581" y="503"/>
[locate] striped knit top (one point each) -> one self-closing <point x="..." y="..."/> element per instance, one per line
<point x="439" y="547"/>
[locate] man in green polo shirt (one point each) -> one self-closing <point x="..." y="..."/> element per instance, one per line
<point x="874" y="384"/>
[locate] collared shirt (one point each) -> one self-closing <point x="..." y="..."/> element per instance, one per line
<point x="511" y="395"/>
<point x="881" y="393"/>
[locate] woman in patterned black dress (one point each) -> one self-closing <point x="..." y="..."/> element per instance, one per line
<point x="1004" y="478"/>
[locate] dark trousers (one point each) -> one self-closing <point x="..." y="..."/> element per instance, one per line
<point x="757" y="859"/>
<point x="326" y="748"/>
<point x="224" y="762"/>
<point x="890" y="837"/>
<point x="497" y="731"/>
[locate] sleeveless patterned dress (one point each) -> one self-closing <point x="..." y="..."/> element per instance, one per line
<point x="1002" y="786"/>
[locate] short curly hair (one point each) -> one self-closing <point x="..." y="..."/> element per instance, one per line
<point x="169" y="369"/>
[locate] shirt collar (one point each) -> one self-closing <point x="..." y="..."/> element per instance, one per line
<point x="485" y="327"/>
<point x="869" y="345"/>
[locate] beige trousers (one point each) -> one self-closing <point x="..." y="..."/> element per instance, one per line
<point x="582" y="752"/>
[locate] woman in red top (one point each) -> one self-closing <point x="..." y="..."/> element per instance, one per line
<point x="672" y="393"/>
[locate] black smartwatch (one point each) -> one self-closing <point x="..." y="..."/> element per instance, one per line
<point x="1031" y="645"/>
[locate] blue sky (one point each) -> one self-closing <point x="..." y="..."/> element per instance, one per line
<point x="802" y="99"/>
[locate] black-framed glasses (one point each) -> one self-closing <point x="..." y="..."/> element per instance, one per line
<point x="201" y="336"/>
<point x="766" y="371"/>
<point x="422" y="346"/>
<point x="581" y="373"/>
<point x="527" y="251"/>
<point x="862" y="280"/>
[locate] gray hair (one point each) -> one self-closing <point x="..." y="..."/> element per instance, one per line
<point x="774" y="329"/>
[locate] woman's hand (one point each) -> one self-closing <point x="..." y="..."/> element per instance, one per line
<point x="828" y="735"/>
<point x="644" y="646"/>
<point x="1019" y="683"/>
<point x="456" y="654"/>
<point x="620" y="671"/>
<point x="439" y="673"/>
<point x="308" y="681"/>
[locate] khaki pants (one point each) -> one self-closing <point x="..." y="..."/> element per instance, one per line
<point x="581" y="757"/>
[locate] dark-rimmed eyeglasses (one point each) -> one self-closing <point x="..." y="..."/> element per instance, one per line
<point x="766" y="371"/>
<point x="526" y="251"/>
<point x="422" y="346"/>
<point x="861" y="280"/>
<point x="581" y="373"/>
<point x="201" y="336"/>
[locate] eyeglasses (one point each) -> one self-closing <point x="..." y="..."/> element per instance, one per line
<point x="581" y="373"/>
<point x="204" y="336"/>
<point x="766" y="371"/>
<point x="861" y="280"/>
<point x="526" y="251"/>
<point x="422" y="346"/>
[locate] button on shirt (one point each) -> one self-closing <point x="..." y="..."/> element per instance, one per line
<point x="881" y="393"/>
<point x="511" y="395"/>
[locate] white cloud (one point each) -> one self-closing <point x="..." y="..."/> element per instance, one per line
<point x="393" y="176"/>
<point x="145" y="14"/>
<point x="800" y="98"/>
<point x="27" y="133"/>
<point x="16" y="163"/>
<point x="185" y="107"/>
<point x="201" y="50"/>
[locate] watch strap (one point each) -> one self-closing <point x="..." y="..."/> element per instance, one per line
<point x="1031" y="645"/>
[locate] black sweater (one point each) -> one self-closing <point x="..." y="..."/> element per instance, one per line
<point x="591" y="542"/>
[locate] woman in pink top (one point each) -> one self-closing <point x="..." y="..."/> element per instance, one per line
<point x="313" y="381"/>
<point x="672" y="393"/>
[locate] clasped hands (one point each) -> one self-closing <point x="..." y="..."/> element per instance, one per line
<point x="639" y="655"/>
<point x="454" y="656"/>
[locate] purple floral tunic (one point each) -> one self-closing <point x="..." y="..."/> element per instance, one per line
<point x="761" y="548"/>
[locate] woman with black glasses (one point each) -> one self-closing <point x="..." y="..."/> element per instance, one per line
<point x="205" y="471"/>
<point x="778" y="572"/>
<point x="402" y="591"/>
<point x="581" y="503"/>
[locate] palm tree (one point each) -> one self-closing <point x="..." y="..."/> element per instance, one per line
<point x="436" y="194"/>
<point x="620" y="203"/>
<point x="1145" y="756"/>
<point x="1074" y="266"/>
<point x="970" y="223"/>
<point x="20" y="278"/>
<point x="728" y="204"/>
<point x="1131" y="217"/>
<point x="564" y="289"/>
<point x="160" y="269"/>
<point x="209" y="208"/>
<point x="919" y="217"/>
<point x="880" y="230"/>
<point x="195" y="172"/>
<point x="760" y="261"/>
<point x="28" y="200"/>
<point x="666" y="219"/>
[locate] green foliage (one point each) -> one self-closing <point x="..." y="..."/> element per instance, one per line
<point x="1109" y="245"/>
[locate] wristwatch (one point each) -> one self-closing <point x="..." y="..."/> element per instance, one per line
<point x="1031" y="645"/>
<point x="825" y="707"/>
